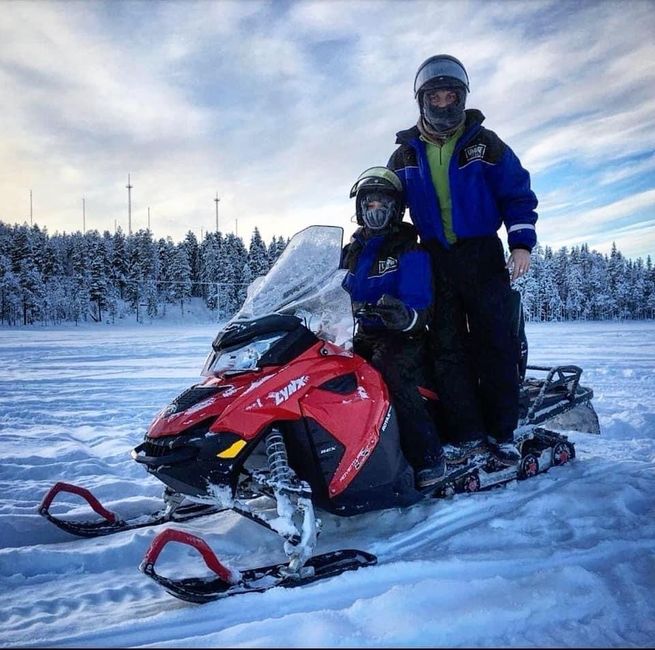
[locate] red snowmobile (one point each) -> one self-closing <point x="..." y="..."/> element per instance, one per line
<point x="287" y="412"/>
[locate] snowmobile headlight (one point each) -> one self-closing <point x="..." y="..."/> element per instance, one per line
<point x="240" y="359"/>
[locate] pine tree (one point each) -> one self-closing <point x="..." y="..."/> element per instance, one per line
<point x="98" y="281"/>
<point x="258" y="263"/>
<point x="119" y="263"/>
<point x="191" y="244"/>
<point x="9" y="292"/>
<point x="165" y="252"/>
<point x="181" y="275"/>
<point x="212" y="265"/>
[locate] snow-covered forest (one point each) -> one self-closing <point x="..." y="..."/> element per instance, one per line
<point x="49" y="279"/>
<point x="82" y="277"/>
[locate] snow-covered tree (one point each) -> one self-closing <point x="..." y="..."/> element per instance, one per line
<point x="181" y="275"/>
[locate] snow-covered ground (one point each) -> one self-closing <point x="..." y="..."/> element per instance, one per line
<point x="564" y="559"/>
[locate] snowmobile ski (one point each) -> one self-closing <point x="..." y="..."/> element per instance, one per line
<point x="110" y="522"/>
<point x="230" y="582"/>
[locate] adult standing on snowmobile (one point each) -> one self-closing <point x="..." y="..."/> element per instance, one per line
<point x="387" y="268"/>
<point x="461" y="182"/>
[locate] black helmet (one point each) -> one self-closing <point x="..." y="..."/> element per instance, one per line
<point x="441" y="71"/>
<point x="383" y="185"/>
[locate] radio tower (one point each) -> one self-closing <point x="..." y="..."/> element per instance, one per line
<point x="129" y="205"/>
<point x="83" y="215"/>
<point x="216" y="200"/>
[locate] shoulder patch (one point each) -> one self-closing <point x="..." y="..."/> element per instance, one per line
<point x="475" y="151"/>
<point x="385" y="266"/>
<point x="485" y="147"/>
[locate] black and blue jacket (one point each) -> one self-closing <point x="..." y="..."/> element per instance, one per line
<point x="488" y="186"/>
<point x="395" y="264"/>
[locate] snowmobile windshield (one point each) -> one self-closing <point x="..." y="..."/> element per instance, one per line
<point x="306" y="281"/>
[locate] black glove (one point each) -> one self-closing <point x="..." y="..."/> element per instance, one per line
<point x="394" y="314"/>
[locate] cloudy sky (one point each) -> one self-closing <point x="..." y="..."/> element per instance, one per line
<point x="278" y="106"/>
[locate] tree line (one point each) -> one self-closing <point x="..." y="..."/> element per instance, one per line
<point x="51" y="279"/>
<point x="78" y="277"/>
<point x="579" y="284"/>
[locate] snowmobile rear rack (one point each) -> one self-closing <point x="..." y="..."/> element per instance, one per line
<point x="229" y="582"/>
<point x="559" y="400"/>
<point x="110" y="522"/>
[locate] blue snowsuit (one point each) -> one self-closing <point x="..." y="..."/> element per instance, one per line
<point x="476" y="367"/>
<point x="395" y="264"/>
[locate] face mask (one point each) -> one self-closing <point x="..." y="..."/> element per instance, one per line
<point x="444" y="118"/>
<point x="377" y="210"/>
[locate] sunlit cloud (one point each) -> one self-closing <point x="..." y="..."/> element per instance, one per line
<point x="279" y="106"/>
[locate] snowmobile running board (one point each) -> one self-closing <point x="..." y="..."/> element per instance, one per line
<point x="110" y="522"/>
<point x="230" y="582"/>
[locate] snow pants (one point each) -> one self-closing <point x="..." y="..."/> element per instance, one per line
<point x="400" y="360"/>
<point x="474" y="345"/>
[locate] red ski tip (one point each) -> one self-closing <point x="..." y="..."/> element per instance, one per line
<point x="230" y="576"/>
<point x="79" y="491"/>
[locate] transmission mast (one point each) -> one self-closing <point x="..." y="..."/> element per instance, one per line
<point x="129" y="205"/>
<point x="216" y="200"/>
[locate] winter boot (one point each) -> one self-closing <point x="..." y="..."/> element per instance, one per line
<point x="432" y="473"/>
<point x="505" y="453"/>
<point x="456" y="454"/>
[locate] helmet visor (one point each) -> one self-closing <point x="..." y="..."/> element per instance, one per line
<point x="440" y="68"/>
<point x="380" y="176"/>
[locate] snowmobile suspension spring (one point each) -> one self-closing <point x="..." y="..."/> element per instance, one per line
<point x="276" y="452"/>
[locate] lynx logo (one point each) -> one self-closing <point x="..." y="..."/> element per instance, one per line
<point x="385" y="266"/>
<point x="475" y="152"/>
<point x="292" y="387"/>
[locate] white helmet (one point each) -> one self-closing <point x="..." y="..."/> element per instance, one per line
<point x="382" y="185"/>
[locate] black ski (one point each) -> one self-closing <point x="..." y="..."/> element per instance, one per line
<point x="110" y="522"/>
<point x="230" y="583"/>
<point x="326" y="565"/>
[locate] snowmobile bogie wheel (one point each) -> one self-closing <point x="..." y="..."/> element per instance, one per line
<point x="472" y="483"/>
<point x="561" y="453"/>
<point x="529" y="466"/>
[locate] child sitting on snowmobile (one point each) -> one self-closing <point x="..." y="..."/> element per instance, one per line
<point x="390" y="286"/>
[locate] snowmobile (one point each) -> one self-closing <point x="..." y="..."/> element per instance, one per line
<point x="288" y="420"/>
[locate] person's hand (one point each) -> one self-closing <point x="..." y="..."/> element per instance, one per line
<point x="518" y="263"/>
<point x="393" y="313"/>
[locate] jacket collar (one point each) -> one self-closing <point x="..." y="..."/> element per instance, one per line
<point x="402" y="233"/>
<point x="474" y="119"/>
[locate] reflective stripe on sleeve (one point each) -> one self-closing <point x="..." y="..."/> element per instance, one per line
<point x="521" y="226"/>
